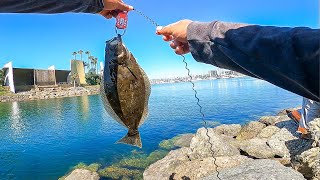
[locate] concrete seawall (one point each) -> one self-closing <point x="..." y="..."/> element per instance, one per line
<point x="50" y="93"/>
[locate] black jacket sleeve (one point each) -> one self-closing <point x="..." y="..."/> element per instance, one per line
<point x="285" y="57"/>
<point x="50" y="6"/>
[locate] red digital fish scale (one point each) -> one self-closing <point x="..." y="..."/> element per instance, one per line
<point x="122" y="20"/>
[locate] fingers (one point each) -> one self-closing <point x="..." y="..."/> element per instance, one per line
<point x="124" y="7"/>
<point x="167" y="38"/>
<point x="179" y="48"/>
<point x="109" y="14"/>
<point x="106" y="14"/>
<point x="173" y="45"/>
<point x="167" y="30"/>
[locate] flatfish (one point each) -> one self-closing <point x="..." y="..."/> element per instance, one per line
<point x="125" y="90"/>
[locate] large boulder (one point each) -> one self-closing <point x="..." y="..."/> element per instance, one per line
<point x="251" y="130"/>
<point x="228" y="129"/>
<point x="208" y="143"/>
<point x="315" y="131"/>
<point x="286" y="145"/>
<point x="308" y="163"/>
<point x="257" y="148"/>
<point x="178" y="164"/>
<point x="82" y="174"/>
<point x="268" y="132"/>
<point x="277" y="142"/>
<point x="272" y="120"/>
<point x="262" y="169"/>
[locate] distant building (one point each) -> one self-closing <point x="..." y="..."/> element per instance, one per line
<point x="213" y="73"/>
<point x="24" y="79"/>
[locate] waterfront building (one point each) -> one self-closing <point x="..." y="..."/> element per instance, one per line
<point x="25" y="79"/>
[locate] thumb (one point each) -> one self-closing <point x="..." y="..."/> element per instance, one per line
<point x="124" y="7"/>
<point x="167" y="30"/>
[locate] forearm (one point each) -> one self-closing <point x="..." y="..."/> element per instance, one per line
<point x="286" y="57"/>
<point x="50" y="6"/>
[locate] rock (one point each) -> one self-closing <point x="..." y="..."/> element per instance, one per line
<point x="268" y="132"/>
<point x="229" y="130"/>
<point x="308" y="163"/>
<point x="257" y="148"/>
<point x="184" y="140"/>
<point x="178" y="164"/>
<point x="251" y="130"/>
<point x="177" y="141"/>
<point x="283" y="112"/>
<point x="285" y="144"/>
<point x="82" y="174"/>
<point x="201" y="147"/>
<point x="315" y="131"/>
<point x="272" y="120"/>
<point x="261" y="169"/>
<point x="278" y="142"/>
<point x="290" y="125"/>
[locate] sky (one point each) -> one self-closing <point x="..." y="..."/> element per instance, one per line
<point x="39" y="41"/>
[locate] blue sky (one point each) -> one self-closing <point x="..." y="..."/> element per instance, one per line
<point x="38" y="41"/>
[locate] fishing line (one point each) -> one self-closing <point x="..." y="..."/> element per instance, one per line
<point x="195" y="94"/>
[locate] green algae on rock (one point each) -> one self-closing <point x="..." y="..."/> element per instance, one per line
<point x="182" y="140"/>
<point x="133" y="166"/>
<point x="115" y="172"/>
<point x="169" y="144"/>
<point x="92" y="167"/>
<point x="141" y="161"/>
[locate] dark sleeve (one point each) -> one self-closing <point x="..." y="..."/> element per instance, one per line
<point x="285" y="57"/>
<point x="50" y="6"/>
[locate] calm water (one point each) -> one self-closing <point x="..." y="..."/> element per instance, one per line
<point x="44" y="139"/>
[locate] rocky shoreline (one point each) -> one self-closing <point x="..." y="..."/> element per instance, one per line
<point x="50" y="93"/>
<point x="268" y="148"/>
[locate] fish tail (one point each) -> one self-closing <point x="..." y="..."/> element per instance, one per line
<point x="131" y="139"/>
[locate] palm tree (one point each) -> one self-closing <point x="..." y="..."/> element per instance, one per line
<point x="74" y="77"/>
<point x="88" y="55"/>
<point x="94" y="62"/>
<point x="80" y="52"/>
<point x="75" y="55"/>
<point x="85" y="65"/>
<point x="91" y="61"/>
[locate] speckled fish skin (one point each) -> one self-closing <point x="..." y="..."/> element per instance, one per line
<point x="125" y="90"/>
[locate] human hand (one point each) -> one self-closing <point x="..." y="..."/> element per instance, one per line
<point x="113" y="7"/>
<point x="177" y="34"/>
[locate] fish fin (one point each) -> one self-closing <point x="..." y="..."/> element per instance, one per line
<point x="133" y="140"/>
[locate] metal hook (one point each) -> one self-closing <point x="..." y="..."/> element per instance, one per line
<point x="118" y="33"/>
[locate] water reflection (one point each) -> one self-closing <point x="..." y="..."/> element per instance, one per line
<point x="17" y="124"/>
<point x="83" y="106"/>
